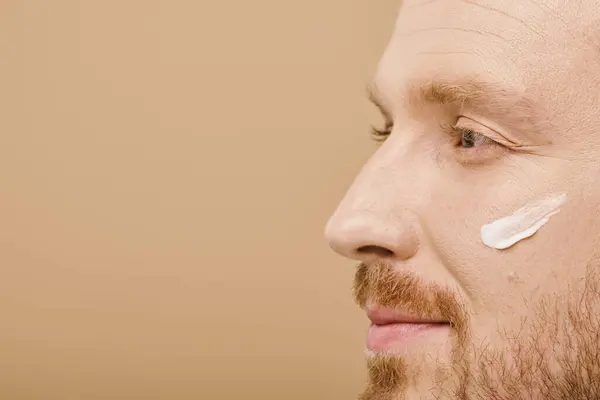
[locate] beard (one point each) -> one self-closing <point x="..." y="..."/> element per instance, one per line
<point x="553" y="355"/>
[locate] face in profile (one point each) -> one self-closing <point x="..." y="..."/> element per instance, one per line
<point x="475" y="224"/>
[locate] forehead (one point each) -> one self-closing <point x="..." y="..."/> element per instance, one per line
<point x="539" y="44"/>
<point x="531" y="14"/>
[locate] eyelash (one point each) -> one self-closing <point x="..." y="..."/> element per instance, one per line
<point x="379" y="135"/>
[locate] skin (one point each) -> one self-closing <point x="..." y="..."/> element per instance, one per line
<point x="524" y="77"/>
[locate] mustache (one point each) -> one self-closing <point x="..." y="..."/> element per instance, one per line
<point x="379" y="283"/>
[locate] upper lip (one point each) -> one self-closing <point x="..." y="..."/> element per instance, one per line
<point x="387" y="316"/>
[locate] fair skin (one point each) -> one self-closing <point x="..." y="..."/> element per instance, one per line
<point x="491" y="104"/>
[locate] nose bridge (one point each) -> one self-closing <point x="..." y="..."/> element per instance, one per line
<point x="379" y="214"/>
<point x="392" y="180"/>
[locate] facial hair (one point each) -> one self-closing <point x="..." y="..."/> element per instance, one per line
<point x="557" y="356"/>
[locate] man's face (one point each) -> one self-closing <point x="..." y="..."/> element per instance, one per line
<point x="493" y="111"/>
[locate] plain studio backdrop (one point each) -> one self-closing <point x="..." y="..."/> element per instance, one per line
<point x="166" y="171"/>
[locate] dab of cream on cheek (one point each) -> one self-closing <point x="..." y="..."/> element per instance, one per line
<point x="523" y="223"/>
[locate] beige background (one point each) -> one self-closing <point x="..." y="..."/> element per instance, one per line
<point x="166" y="170"/>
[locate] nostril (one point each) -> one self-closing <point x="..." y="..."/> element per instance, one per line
<point x="375" y="250"/>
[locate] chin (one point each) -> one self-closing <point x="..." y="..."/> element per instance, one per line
<point x="416" y="375"/>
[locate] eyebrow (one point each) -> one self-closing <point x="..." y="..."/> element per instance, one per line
<point x="509" y="106"/>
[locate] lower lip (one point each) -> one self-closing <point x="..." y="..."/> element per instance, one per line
<point x="384" y="337"/>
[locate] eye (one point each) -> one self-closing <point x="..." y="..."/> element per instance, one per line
<point x="467" y="145"/>
<point x="475" y="145"/>
<point x="470" y="139"/>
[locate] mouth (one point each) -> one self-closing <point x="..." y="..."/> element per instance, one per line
<point x="391" y="329"/>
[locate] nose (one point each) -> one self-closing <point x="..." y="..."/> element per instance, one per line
<point x="379" y="215"/>
<point x="368" y="235"/>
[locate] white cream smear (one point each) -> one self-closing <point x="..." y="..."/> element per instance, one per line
<point x="523" y="223"/>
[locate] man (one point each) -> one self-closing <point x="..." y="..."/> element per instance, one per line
<point x="477" y="220"/>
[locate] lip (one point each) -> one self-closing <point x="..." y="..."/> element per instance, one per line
<point x="391" y="328"/>
<point x="387" y="316"/>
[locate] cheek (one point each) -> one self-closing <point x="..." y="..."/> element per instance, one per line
<point x="501" y="281"/>
<point x="538" y="277"/>
<point x="452" y="224"/>
<point x="561" y="251"/>
<point x="509" y="284"/>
